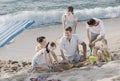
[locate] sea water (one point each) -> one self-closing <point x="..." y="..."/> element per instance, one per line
<point x="49" y="12"/>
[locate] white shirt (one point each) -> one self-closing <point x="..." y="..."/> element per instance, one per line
<point x="70" y="22"/>
<point x="99" y="29"/>
<point x="40" y="57"/>
<point x="70" y="47"/>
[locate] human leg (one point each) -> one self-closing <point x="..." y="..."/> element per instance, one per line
<point x="100" y="56"/>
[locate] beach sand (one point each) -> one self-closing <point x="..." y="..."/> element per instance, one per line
<point x="23" y="49"/>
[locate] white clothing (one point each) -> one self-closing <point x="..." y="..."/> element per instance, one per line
<point x="70" y="22"/>
<point x="99" y="29"/>
<point x="37" y="48"/>
<point x="39" y="58"/>
<point x="70" y="48"/>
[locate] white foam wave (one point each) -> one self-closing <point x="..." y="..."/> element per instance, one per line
<point x="105" y="0"/>
<point x="7" y="0"/>
<point x="52" y="17"/>
<point x="109" y="12"/>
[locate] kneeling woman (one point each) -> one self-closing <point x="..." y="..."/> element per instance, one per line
<point x="42" y="59"/>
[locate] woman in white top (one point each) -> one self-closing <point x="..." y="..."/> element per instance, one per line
<point x="95" y="31"/>
<point x="42" y="42"/>
<point x="69" y="20"/>
<point x="42" y="58"/>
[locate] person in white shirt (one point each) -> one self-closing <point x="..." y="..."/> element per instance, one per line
<point x="69" y="47"/>
<point x="42" y="58"/>
<point x="95" y="31"/>
<point x="42" y="42"/>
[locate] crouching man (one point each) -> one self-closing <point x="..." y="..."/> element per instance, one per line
<point x="69" y="47"/>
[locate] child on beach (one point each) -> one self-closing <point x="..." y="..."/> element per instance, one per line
<point x="42" y="59"/>
<point x="102" y="52"/>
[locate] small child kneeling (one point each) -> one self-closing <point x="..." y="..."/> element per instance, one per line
<point x="102" y="52"/>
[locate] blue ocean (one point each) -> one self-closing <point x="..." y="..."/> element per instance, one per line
<point x="49" y="12"/>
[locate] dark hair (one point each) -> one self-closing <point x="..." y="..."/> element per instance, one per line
<point x="91" y="22"/>
<point x="68" y="29"/>
<point x="70" y="9"/>
<point x="40" y="39"/>
<point x="52" y="44"/>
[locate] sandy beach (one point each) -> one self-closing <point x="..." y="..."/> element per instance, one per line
<point x="23" y="49"/>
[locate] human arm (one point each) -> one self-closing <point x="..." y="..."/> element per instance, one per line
<point x="99" y="38"/>
<point x="76" y="23"/>
<point x="63" y="22"/>
<point x="62" y="54"/>
<point x="37" y="48"/>
<point x="54" y="56"/>
<point x="88" y="34"/>
<point x="47" y="57"/>
<point x="84" y="49"/>
<point x="62" y="48"/>
<point x="102" y="33"/>
<point x="50" y="60"/>
<point x="81" y="42"/>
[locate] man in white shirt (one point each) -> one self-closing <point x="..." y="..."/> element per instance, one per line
<point x="95" y="31"/>
<point x="69" y="46"/>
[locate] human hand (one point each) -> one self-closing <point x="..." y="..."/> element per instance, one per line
<point x="92" y="44"/>
<point x="82" y="58"/>
<point x="55" y="63"/>
<point x="65" y="61"/>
